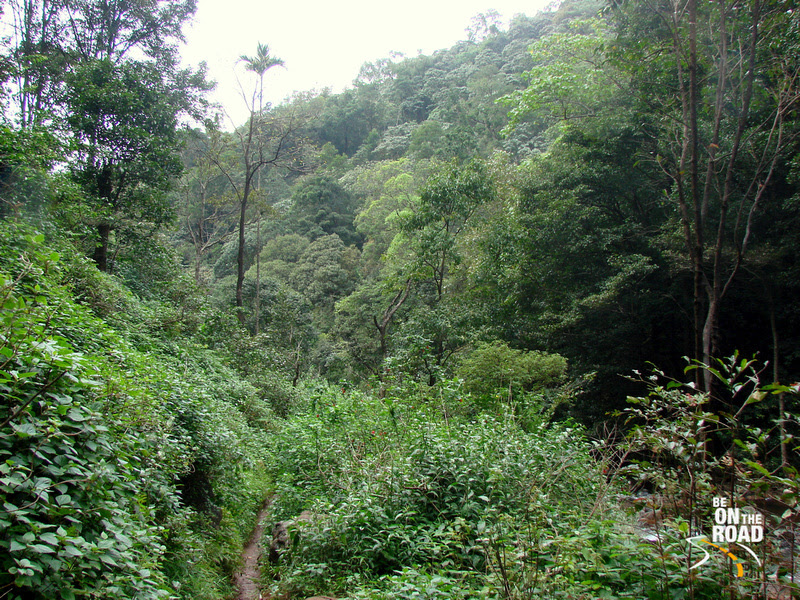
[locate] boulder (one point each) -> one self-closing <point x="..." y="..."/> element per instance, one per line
<point x="281" y="538"/>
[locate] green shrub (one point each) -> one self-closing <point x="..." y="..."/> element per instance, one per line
<point x="75" y="516"/>
<point x="398" y="489"/>
<point x="132" y="464"/>
<point x="494" y="368"/>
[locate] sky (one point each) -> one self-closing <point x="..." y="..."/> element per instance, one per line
<point x="323" y="44"/>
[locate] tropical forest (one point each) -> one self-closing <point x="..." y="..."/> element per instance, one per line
<point x="516" y="319"/>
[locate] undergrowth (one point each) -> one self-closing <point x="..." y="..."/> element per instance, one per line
<point x="410" y="504"/>
<point x="425" y="496"/>
<point x="131" y="464"/>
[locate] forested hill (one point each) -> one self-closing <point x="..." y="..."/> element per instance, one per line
<point x="528" y="187"/>
<point x="415" y="308"/>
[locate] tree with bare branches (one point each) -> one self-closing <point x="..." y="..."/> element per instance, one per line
<point x="269" y="139"/>
<point x="723" y="85"/>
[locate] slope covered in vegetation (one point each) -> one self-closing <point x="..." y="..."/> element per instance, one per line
<point x="133" y="461"/>
<point x="413" y="311"/>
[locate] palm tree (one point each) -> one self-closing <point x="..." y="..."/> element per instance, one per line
<point x="253" y="154"/>
<point x="260" y="64"/>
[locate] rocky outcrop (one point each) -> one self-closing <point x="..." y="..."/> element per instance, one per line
<point x="281" y="538"/>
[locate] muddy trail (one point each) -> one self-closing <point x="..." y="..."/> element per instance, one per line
<point x="247" y="580"/>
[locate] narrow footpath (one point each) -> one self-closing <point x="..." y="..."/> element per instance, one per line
<point x="247" y="580"/>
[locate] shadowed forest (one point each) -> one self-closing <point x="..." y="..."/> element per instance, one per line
<point x="508" y="321"/>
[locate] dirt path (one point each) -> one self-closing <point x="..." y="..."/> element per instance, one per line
<point x="247" y="580"/>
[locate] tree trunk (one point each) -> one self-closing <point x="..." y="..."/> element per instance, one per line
<point x="720" y="281"/>
<point x="197" y="260"/>
<point x="694" y="170"/>
<point x="200" y="240"/>
<point x="240" y="255"/>
<point x="785" y="464"/>
<point x="296" y="377"/>
<point x="388" y="314"/>
<point x="709" y="343"/>
<point x="257" y="307"/>
<point x="100" y="256"/>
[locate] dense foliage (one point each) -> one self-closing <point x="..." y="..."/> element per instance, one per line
<point x="117" y="445"/>
<point x="560" y="228"/>
<point x="414" y="312"/>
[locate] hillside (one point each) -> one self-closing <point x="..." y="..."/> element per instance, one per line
<point x="508" y="321"/>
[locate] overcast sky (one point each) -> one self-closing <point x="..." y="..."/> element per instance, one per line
<point x="324" y="44"/>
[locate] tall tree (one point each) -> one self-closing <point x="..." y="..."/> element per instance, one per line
<point x="124" y="119"/>
<point x="724" y="82"/>
<point x="37" y="57"/>
<point x="104" y="73"/>
<point x="111" y="29"/>
<point x="434" y="229"/>
<point x="51" y="38"/>
<point x="267" y="139"/>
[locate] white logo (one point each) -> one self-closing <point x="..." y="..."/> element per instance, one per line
<point x="731" y="526"/>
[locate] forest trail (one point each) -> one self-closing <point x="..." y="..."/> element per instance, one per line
<point x="247" y="580"/>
